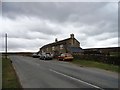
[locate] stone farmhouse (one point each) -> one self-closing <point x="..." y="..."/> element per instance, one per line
<point x="69" y="45"/>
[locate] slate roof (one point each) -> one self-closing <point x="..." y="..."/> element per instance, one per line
<point x="75" y="49"/>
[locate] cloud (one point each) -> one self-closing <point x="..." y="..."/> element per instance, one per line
<point x="51" y="10"/>
<point x="31" y="25"/>
<point x="61" y="12"/>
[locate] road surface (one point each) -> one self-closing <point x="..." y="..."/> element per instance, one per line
<point x="36" y="73"/>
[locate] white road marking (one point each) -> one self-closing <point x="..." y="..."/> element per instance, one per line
<point x="76" y="79"/>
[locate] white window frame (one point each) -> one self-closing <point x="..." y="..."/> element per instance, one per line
<point x="61" y="46"/>
<point x="53" y="48"/>
<point x="46" y="49"/>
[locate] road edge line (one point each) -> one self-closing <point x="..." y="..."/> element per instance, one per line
<point x="76" y="79"/>
<point x="21" y="87"/>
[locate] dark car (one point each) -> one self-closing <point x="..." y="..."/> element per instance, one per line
<point x="35" y="55"/>
<point x="65" y="56"/>
<point x="46" y="56"/>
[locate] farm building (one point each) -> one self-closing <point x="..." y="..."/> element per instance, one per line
<point x="69" y="45"/>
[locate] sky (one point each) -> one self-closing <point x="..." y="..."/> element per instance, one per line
<point x="30" y="25"/>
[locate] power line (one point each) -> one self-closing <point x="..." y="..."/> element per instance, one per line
<point x="6" y="45"/>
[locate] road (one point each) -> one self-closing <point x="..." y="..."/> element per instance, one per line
<point x="35" y="73"/>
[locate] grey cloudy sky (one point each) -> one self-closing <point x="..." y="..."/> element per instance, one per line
<point x="31" y="25"/>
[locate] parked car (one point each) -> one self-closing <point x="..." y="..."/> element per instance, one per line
<point x="46" y="56"/>
<point x="35" y="55"/>
<point x="65" y="56"/>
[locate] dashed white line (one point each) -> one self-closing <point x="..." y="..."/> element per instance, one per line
<point x="76" y="79"/>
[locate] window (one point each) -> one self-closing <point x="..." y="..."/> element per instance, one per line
<point x="53" y="48"/>
<point x="46" y="49"/>
<point x="61" y="46"/>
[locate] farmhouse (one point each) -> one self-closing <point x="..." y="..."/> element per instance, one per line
<point x="69" y="45"/>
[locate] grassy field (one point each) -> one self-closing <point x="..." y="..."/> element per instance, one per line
<point x="0" y="71"/>
<point x="104" y="66"/>
<point x="9" y="77"/>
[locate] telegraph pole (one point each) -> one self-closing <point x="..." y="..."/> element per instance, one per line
<point x="6" y="45"/>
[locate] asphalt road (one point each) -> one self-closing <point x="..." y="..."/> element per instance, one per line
<point x="35" y="73"/>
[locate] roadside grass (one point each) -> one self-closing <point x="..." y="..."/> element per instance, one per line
<point x="100" y="65"/>
<point x="9" y="77"/>
<point x="0" y="71"/>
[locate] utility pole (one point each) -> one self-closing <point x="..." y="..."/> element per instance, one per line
<point x="6" y="45"/>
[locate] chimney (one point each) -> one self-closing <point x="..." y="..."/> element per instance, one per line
<point x="71" y="35"/>
<point x="56" y="40"/>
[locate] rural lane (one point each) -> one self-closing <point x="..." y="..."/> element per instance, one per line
<point x="36" y="73"/>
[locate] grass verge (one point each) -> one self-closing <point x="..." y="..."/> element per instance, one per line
<point x="0" y="71"/>
<point x="9" y="77"/>
<point x="100" y="65"/>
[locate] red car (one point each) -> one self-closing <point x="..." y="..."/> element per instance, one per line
<point x="65" y="56"/>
